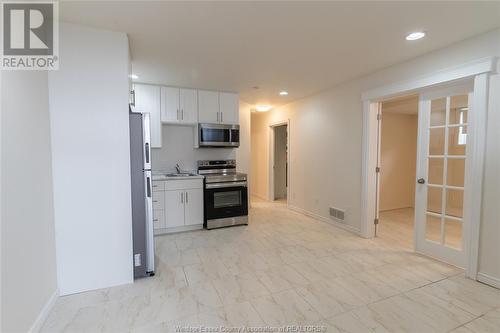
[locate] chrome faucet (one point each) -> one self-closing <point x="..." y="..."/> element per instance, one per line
<point x="178" y="168"/>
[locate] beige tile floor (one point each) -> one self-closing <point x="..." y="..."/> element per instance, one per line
<point x="285" y="269"/>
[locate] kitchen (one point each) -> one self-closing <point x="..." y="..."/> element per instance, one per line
<point x="187" y="141"/>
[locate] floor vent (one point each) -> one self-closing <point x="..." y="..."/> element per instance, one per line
<point x="338" y="214"/>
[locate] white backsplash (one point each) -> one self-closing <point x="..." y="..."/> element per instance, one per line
<point x="178" y="147"/>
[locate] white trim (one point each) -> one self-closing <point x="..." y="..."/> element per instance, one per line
<point x="44" y="314"/>
<point x="488" y="279"/>
<point x="476" y="147"/>
<point x="369" y="177"/>
<point x="479" y="71"/>
<point x="325" y="219"/>
<point x="480" y="66"/>
<point x="182" y="228"/>
<point x="271" y="158"/>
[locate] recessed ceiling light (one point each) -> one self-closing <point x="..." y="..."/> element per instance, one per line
<point x="133" y="76"/>
<point x="415" y="35"/>
<point x="283" y="93"/>
<point x="263" y="108"/>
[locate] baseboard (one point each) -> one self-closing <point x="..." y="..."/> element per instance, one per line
<point x="325" y="219"/>
<point x="164" y="231"/>
<point x="42" y="316"/>
<point x="489" y="280"/>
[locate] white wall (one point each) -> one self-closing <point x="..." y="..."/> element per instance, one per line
<point x="29" y="280"/>
<point x="489" y="251"/>
<point x="91" y="159"/>
<point x="259" y="152"/>
<point x="243" y="151"/>
<point x="178" y="147"/>
<point x="326" y="132"/>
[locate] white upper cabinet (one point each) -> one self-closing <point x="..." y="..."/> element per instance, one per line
<point x="179" y="105"/>
<point x="170" y="104"/>
<point x="189" y="105"/>
<point x="229" y="108"/>
<point x="218" y="107"/>
<point x="208" y="106"/>
<point x="147" y="99"/>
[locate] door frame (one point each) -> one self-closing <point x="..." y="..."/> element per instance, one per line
<point x="272" y="127"/>
<point x="479" y="72"/>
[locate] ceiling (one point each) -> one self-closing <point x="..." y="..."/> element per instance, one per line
<point x="302" y="47"/>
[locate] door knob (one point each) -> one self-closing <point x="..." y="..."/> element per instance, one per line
<point x="421" y="181"/>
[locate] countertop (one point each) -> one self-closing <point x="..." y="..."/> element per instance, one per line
<point x="162" y="176"/>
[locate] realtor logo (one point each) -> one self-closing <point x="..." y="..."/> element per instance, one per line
<point x="29" y="35"/>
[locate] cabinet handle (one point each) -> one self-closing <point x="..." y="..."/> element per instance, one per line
<point x="182" y="197"/>
<point x="177" y="114"/>
<point x="186" y="197"/>
<point x="217" y="116"/>
<point x="182" y="114"/>
<point x="221" y="117"/>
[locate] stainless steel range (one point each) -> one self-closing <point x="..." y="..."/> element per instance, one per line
<point x="225" y="194"/>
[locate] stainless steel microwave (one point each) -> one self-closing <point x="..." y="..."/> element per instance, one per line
<point x="218" y="135"/>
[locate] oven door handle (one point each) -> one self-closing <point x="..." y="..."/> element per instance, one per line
<point x="222" y="185"/>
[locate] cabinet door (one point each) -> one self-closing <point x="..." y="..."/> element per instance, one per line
<point x="147" y="99"/>
<point x="229" y="108"/>
<point x="189" y="105"/>
<point x="170" y="110"/>
<point x="208" y="106"/>
<point x="174" y="209"/>
<point x="193" y="208"/>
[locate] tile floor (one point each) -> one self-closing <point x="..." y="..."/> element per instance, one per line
<point x="396" y="226"/>
<point x="285" y="269"/>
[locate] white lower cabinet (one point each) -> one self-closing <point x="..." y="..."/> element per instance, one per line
<point x="177" y="205"/>
<point x="193" y="200"/>
<point x="174" y="209"/>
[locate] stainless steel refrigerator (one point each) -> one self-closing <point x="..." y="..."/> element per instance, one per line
<point x="142" y="204"/>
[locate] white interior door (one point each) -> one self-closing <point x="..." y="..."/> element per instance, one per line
<point x="441" y="174"/>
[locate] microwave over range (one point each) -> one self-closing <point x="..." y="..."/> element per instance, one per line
<point x="218" y="135"/>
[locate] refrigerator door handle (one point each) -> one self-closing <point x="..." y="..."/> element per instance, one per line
<point x="146" y="127"/>
<point x="148" y="187"/>
<point x="132" y="92"/>
<point x="147" y="151"/>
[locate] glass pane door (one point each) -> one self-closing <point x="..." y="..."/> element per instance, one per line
<point x="442" y="159"/>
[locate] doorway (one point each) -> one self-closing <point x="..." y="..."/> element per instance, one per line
<point x="439" y="179"/>
<point x="279" y="163"/>
<point x="398" y="160"/>
<point x="476" y="75"/>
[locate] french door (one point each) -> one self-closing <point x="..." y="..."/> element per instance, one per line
<point x="442" y="166"/>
